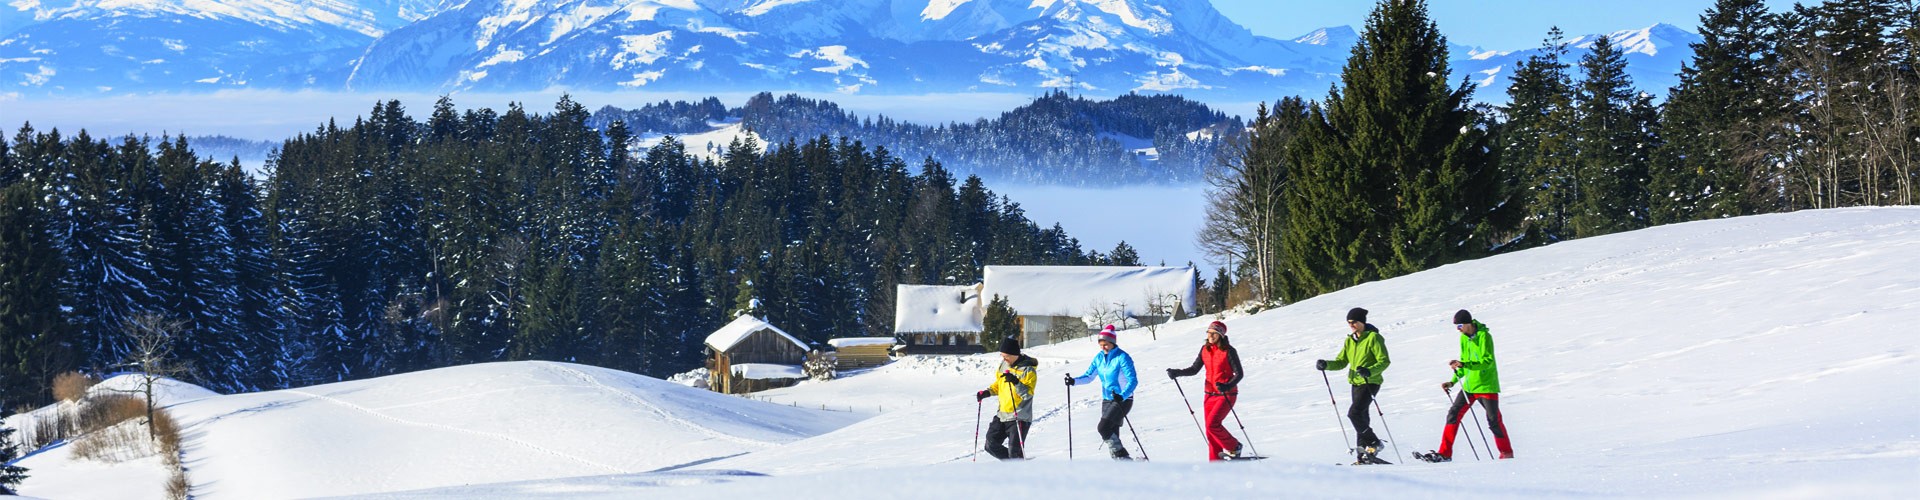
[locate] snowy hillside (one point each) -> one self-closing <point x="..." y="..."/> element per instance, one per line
<point x="1767" y="356"/>
<point x="470" y="424"/>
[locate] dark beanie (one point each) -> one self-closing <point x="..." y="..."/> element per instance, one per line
<point x="1357" y="314"/>
<point x="1462" y="317"/>
<point x="1010" y="346"/>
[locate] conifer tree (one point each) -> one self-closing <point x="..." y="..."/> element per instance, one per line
<point x="33" y="331"/>
<point x="1123" y="255"/>
<point x="1722" y="124"/>
<point x="10" y="475"/>
<point x="1537" y="144"/>
<point x="1393" y="174"/>
<point x="1610" y="193"/>
<point x="1001" y="324"/>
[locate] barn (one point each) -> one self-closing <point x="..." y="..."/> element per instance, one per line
<point x="751" y="355"/>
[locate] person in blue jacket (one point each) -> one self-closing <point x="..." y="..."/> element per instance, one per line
<point x="1117" y="380"/>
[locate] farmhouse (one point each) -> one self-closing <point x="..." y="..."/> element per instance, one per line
<point x="935" y="319"/>
<point x="1053" y="304"/>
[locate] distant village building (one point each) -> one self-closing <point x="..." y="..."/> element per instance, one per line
<point x="751" y="355"/>
<point x="1053" y="304"/>
<point x="1060" y="303"/>
<point x="936" y="319"/>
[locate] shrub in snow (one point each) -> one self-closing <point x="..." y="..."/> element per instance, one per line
<point x="820" y="365"/>
<point x="696" y="379"/>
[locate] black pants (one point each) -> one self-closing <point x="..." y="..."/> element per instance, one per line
<point x="1113" y="414"/>
<point x="1362" y="397"/>
<point x="1002" y="431"/>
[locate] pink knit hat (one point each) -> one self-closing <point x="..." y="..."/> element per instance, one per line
<point x="1107" y="335"/>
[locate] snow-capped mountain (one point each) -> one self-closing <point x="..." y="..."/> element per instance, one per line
<point x="898" y="47"/>
<point x="109" y="47"/>
<point x="1654" y="55"/>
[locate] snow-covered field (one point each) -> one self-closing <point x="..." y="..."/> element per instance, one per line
<point x="1769" y="356"/>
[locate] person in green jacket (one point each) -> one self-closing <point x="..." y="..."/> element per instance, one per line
<point x="1476" y="365"/>
<point x="1366" y="351"/>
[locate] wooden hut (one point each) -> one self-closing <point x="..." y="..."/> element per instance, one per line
<point x="749" y="355"/>
<point x="862" y="352"/>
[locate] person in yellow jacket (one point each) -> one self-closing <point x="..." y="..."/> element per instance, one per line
<point x="1366" y="351"/>
<point x="1013" y="382"/>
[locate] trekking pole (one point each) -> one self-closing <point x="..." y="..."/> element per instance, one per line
<point x="1476" y="423"/>
<point x="1136" y="440"/>
<point x="1469" y="435"/>
<point x="1190" y="414"/>
<point x="1336" y="408"/>
<point x="1243" y="432"/>
<point x="1020" y="434"/>
<point x="1383" y="423"/>
<point x="977" y="406"/>
<point x="1069" y="424"/>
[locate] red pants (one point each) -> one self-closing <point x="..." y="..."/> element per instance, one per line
<point x="1218" y="438"/>
<point x="1464" y="402"/>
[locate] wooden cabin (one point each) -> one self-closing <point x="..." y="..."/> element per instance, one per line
<point x="862" y="352"/>
<point x="751" y="355"/>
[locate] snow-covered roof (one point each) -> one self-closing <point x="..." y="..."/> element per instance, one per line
<point x="859" y="341"/>
<point x="1074" y="290"/>
<point x="728" y="336"/>
<point x="937" y="308"/>
<point x="764" y="371"/>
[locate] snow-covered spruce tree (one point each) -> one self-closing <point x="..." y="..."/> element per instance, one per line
<point x="1393" y="174"/>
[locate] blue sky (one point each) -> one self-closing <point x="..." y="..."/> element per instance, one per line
<point x="1490" y="24"/>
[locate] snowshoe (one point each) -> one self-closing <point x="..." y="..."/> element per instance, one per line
<point x="1431" y="457"/>
<point x="1369" y="456"/>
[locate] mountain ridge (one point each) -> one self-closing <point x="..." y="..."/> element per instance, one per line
<point x="873" y="47"/>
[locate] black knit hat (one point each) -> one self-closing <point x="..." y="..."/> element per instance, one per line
<point x="1010" y="346"/>
<point x="1357" y="314"/>
<point x="1462" y="317"/>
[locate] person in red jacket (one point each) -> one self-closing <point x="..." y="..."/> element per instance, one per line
<point x="1222" y="387"/>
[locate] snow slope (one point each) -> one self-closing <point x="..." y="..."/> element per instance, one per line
<point x="469" y="424"/>
<point x="1768" y="356"/>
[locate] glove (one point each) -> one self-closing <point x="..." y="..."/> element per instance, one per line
<point x="1363" y="371"/>
<point x="1171" y="373"/>
<point x="1069" y="380"/>
<point x="1008" y="376"/>
<point x="1223" y="387"/>
<point x="1446" y="386"/>
<point x="981" y="395"/>
<point x="1320" y="364"/>
<point x="1455" y="364"/>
